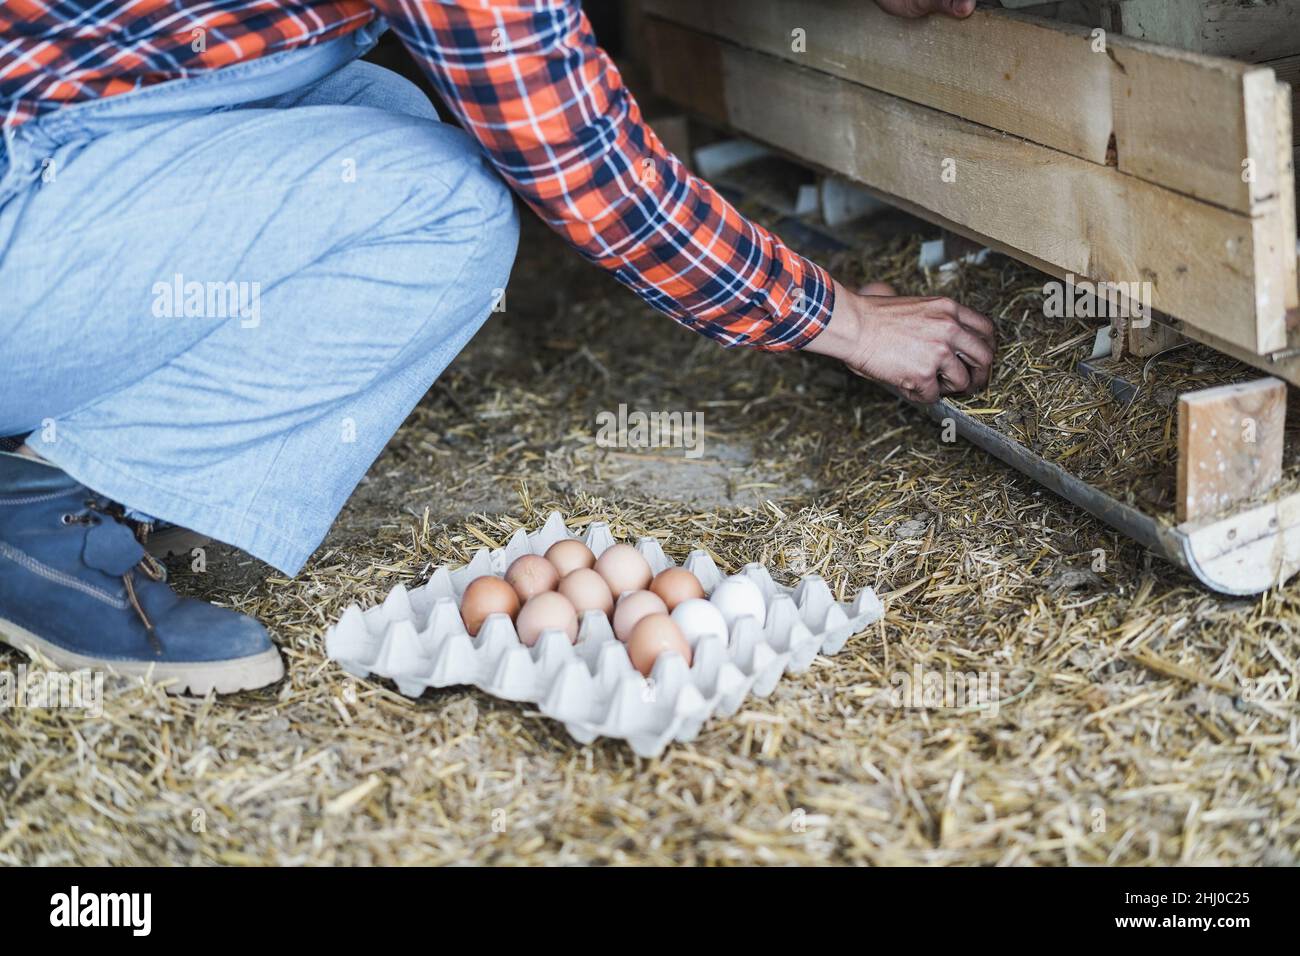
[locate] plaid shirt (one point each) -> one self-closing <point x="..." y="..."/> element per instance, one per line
<point x="526" y="79"/>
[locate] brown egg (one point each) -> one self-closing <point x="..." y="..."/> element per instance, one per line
<point x="587" y="591"/>
<point x="631" y="608"/>
<point x="676" y="585"/>
<point x="653" y="635"/>
<point x="531" y="575"/>
<point x="569" y="555"/>
<point x="623" y="569"/>
<point x="546" y="611"/>
<point x="486" y="595"/>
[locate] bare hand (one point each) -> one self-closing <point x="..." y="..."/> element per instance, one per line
<point x="911" y="9"/>
<point x="925" y="347"/>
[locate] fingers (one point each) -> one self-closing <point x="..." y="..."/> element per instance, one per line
<point x="921" y="8"/>
<point x="963" y="363"/>
<point x="973" y="339"/>
<point x="977" y="323"/>
<point x="949" y="375"/>
<point x="924" y="348"/>
<point x="976" y="354"/>
<point x="967" y="317"/>
<point x="954" y="8"/>
<point x="927" y="392"/>
<point x="954" y="377"/>
<point x="912" y="9"/>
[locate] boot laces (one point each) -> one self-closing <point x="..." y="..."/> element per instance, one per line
<point x="94" y="511"/>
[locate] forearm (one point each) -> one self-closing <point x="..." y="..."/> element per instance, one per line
<point x="550" y="109"/>
<point x="841" y="336"/>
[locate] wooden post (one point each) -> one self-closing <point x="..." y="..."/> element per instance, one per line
<point x="1229" y="445"/>
<point x="1152" y="338"/>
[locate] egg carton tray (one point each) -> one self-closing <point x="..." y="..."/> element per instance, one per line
<point x="416" y="638"/>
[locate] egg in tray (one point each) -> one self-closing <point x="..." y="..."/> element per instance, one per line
<point x="608" y="638"/>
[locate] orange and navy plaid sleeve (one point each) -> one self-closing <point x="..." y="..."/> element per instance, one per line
<point x="529" y="82"/>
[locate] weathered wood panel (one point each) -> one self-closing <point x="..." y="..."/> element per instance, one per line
<point x="1179" y="120"/>
<point x="1226" y="273"/>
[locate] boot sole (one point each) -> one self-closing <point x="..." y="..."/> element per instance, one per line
<point x="198" y="677"/>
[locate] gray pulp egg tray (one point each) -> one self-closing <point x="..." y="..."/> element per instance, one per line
<point x="417" y="639"/>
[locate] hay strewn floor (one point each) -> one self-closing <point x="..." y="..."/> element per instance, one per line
<point x="1143" y="721"/>
<point x="1127" y="447"/>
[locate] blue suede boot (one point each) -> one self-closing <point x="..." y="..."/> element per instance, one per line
<point x="77" y="587"/>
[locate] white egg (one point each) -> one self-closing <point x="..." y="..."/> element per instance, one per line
<point x="737" y="597"/>
<point x="698" y="618"/>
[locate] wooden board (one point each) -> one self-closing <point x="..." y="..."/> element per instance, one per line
<point x="1193" y="124"/>
<point x="1251" y="31"/>
<point x="1220" y="271"/>
<point x="1288" y="72"/>
<point x="1179" y="120"/>
<point x="1288" y="211"/>
<point x="1152" y="338"/>
<point x="1247" y="551"/>
<point x="988" y="69"/>
<point x="1229" y="445"/>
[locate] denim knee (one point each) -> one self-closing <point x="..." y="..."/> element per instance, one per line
<point x="486" y="231"/>
<point x="500" y="224"/>
<point x="367" y="84"/>
<point x="482" y="290"/>
<point x="360" y="84"/>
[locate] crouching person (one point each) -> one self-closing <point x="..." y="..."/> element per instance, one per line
<point x="234" y="256"/>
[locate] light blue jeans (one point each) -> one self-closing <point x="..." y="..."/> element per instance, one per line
<point x="220" y="296"/>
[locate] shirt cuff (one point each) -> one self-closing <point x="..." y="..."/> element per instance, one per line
<point x="813" y="301"/>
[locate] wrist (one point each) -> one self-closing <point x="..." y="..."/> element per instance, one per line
<point x="841" y="337"/>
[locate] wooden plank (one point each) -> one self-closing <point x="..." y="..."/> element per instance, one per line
<point x="1232" y="28"/>
<point x="1287" y="208"/>
<point x="1175" y="23"/>
<point x="989" y="69"/>
<point x="1179" y="120"/>
<point x="1152" y="338"/>
<point x="1195" y="125"/>
<point x="1250" y="31"/>
<point x="631" y="24"/>
<point x="1285" y="367"/>
<point x="1214" y="268"/>
<point x="1247" y="551"/>
<point x="698" y="81"/>
<point x="1229" y="445"/>
<point x="1275" y="234"/>
<point x="1288" y="72"/>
